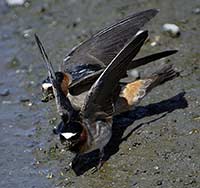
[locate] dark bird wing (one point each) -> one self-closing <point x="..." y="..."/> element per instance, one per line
<point x="85" y="83"/>
<point x="63" y="104"/>
<point x="147" y="59"/>
<point x="106" y="44"/>
<point x="102" y="94"/>
<point x="45" y="57"/>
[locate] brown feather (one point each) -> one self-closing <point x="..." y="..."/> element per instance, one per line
<point x="65" y="83"/>
<point x="134" y="92"/>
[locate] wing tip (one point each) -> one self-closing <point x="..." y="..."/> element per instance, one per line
<point x="153" y="11"/>
<point x="37" y="39"/>
<point x="169" y="52"/>
<point x="173" y="51"/>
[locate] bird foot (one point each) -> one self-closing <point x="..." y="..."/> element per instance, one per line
<point x="98" y="167"/>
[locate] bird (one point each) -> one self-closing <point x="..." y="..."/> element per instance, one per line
<point x="90" y="128"/>
<point x="84" y="63"/>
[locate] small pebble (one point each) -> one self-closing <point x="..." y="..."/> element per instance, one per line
<point x="4" y="92"/>
<point x="156" y="167"/>
<point x="15" y="2"/>
<point x="27" y="33"/>
<point x="134" y="183"/>
<point x="194" y="131"/>
<point x="20" y="71"/>
<point x="27" y="4"/>
<point x="196" y="11"/>
<point x="37" y="162"/>
<point x="171" y="29"/>
<point x="159" y="182"/>
<point x="52" y="121"/>
<point x="30" y="104"/>
<point x="49" y="175"/>
<point x="155" y="41"/>
<point x="6" y="102"/>
<point x="153" y="44"/>
<point x="24" y="99"/>
<point x="134" y="73"/>
<point x="197" y="118"/>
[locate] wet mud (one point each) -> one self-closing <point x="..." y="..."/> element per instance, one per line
<point x="154" y="145"/>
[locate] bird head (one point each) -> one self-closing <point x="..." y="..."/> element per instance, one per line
<point x="72" y="135"/>
<point x="63" y="79"/>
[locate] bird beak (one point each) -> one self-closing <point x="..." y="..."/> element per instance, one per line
<point x="47" y="92"/>
<point x="47" y="96"/>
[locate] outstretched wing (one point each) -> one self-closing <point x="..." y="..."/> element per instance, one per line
<point x="106" y="44"/>
<point x="150" y="58"/>
<point x="45" y="57"/>
<point x="104" y="91"/>
<point x="63" y="104"/>
<point x="84" y="84"/>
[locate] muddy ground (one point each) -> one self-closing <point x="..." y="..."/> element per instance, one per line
<point x="161" y="145"/>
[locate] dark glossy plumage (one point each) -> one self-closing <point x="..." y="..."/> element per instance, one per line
<point x="102" y="47"/>
<point x="91" y="128"/>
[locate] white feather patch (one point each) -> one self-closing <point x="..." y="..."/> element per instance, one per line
<point x="68" y="135"/>
<point x="46" y="85"/>
<point x="140" y="31"/>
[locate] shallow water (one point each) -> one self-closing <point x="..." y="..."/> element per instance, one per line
<point x="164" y="149"/>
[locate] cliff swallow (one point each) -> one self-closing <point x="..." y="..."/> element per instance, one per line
<point x="84" y="64"/>
<point x="91" y="128"/>
<point x="93" y="123"/>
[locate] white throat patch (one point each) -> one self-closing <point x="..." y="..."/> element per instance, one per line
<point x="45" y="86"/>
<point x="68" y="135"/>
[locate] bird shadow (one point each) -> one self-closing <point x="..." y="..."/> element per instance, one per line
<point x="83" y="163"/>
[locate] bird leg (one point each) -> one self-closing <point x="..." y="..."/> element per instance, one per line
<point x="101" y="162"/>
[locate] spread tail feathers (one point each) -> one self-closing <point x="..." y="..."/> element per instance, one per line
<point x="161" y="76"/>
